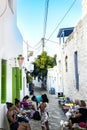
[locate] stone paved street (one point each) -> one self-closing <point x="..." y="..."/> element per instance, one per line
<point x="55" y="112"/>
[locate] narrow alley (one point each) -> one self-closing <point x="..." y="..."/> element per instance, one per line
<point x="55" y="112"/>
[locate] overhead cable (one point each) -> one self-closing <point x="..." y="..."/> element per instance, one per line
<point x="37" y="52"/>
<point x="51" y="41"/>
<point x="62" y="18"/>
<point x="38" y="47"/>
<point x="37" y="44"/>
<point x="45" y="17"/>
<point x="26" y="42"/>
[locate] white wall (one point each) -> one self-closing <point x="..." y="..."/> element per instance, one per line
<point x="2" y="116"/>
<point x="77" y="41"/>
<point x="11" y="39"/>
<point x="11" y="45"/>
<point x="54" y="75"/>
<point x="84" y="8"/>
<point x="52" y="79"/>
<point x="0" y="80"/>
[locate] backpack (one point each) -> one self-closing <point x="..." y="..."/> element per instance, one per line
<point x="37" y="116"/>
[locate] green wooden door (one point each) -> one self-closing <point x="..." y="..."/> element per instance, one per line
<point x="3" y="80"/>
<point x="16" y="83"/>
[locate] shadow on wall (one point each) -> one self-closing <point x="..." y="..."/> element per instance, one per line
<point x="3" y="111"/>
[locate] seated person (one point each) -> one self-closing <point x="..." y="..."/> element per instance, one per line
<point x="21" y="116"/>
<point x="27" y="104"/>
<point x="37" y="99"/>
<point x="73" y="109"/>
<point x="76" y="106"/>
<point x="11" y="115"/>
<point x="67" y="104"/>
<point x="79" y="116"/>
<point x="24" y="102"/>
<point x="18" y="106"/>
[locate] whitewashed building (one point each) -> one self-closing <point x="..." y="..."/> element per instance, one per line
<point x="11" y="46"/>
<point x="74" y="60"/>
<point x="71" y="64"/>
<point x="52" y="77"/>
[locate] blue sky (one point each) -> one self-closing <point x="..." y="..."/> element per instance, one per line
<point x="30" y="20"/>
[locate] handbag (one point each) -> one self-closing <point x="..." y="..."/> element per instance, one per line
<point x="22" y="118"/>
<point x="36" y="115"/>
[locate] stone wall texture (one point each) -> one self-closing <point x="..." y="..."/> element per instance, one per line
<point x="77" y="41"/>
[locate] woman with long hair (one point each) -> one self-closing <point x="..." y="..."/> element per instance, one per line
<point x="44" y="112"/>
<point x="11" y="115"/>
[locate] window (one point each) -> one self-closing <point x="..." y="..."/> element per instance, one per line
<point x="76" y="69"/>
<point x="3" y="80"/>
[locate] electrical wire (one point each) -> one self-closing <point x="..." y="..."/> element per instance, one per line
<point x="51" y="41"/>
<point x="37" y="44"/>
<point x="38" y="47"/>
<point x="63" y="18"/>
<point x="45" y="23"/>
<point x="45" y="17"/>
<point x="26" y="42"/>
<point x="37" y="52"/>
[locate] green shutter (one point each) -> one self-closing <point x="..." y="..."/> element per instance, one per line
<point x="13" y="84"/>
<point x="21" y="79"/>
<point x="3" y="80"/>
<point x="16" y="82"/>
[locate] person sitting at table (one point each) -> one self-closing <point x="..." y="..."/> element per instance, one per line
<point x="79" y="116"/>
<point x="14" y="124"/>
<point x="73" y="109"/>
<point x="27" y="104"/>
<point x="76" y="106"/>
<point x="21" y="115"/>
<point x="24" y="101"/>
<point x="67" y="104"/>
